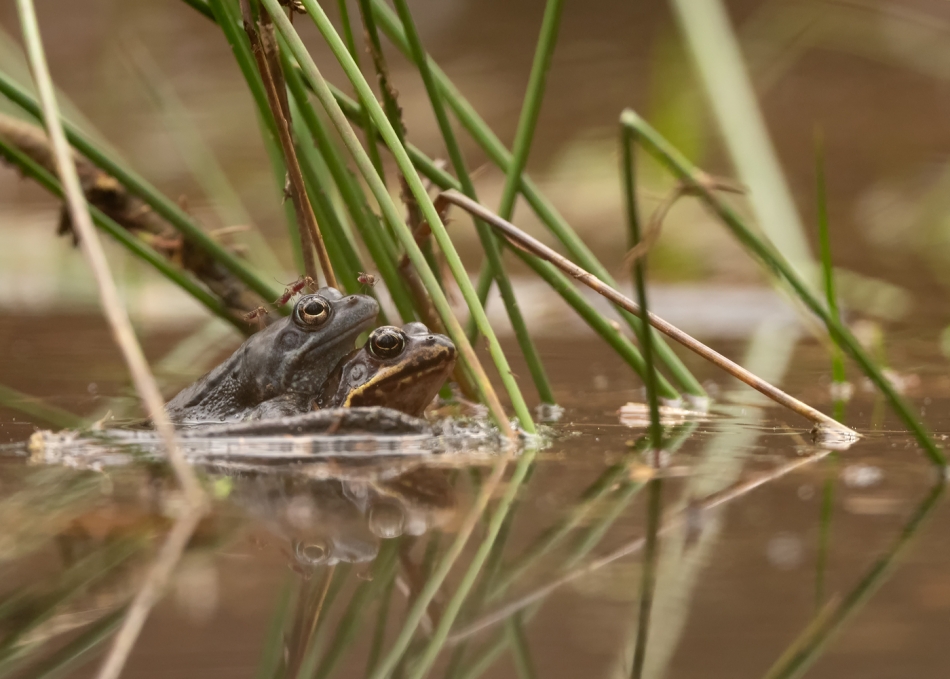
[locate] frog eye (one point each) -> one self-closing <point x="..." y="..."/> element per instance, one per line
<point x="311" y="553"/>
<point x="312" y="311"/>
<point x="386" y="342"/>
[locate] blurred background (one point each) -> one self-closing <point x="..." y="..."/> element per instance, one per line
<point x="872" y="75"/>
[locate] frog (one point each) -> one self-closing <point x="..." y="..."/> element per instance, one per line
<point x="285" y="364"/>
<point x="398" y="368"/>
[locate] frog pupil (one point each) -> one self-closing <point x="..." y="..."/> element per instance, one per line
<point x="387" y="344"/>
<point x="315" y="308"/>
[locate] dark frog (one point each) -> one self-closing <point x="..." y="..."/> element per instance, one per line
<point x="285" y="364"/>
<point x="401" y="369"/>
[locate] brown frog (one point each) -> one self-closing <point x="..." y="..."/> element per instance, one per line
<point x="282" y="367"/>
<point x="401" y="369"/>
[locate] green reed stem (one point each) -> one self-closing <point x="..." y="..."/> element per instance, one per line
<point x="392" y="216"/>
<point x="639" y="277"/>
<point x="133" y="244"/>
<point x="657" y="146"/>
<point x="379" y="633"/>
<point x="38" y="409"/>
<point x="72" y="656"/>
<point x="384" y="571"/>
<point x="227" y="16"/>
<point x="531" y="106"/>
<point x="201" y="7"/>
<point x="138" y="185"/>
<point x="386" y="93"/>
<point x="552" y="276"/>
<point x="502" y="158"/>
<point x="490" y="242"/>
<point x="374" y="236"/>
<point x="824" y="242"/>
<point x="370" y="130"/>
<point x="315" y="644"/>
<point x="647" y="576"/>
<point x="514" y="630"/>
<point x="824" y="530"/>
<point x="492" y="650"/>
<point x="273" y="653"/>
<point x="451" y="610"/>
<point x="527" y="122"/>
<point x="397" y="652"/>
<point x="342" y="252"/>
<point x="813" y="640"/>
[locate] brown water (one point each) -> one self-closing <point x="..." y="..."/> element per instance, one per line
<point x="740" y="574"/>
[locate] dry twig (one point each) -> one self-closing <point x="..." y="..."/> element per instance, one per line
<point x="195" y="501"/>
<point x="264" y="48"/>
<point x="523" y="241"/>
<point x="131" y="212"/>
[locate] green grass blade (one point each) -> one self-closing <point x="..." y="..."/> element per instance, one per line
<point x="392" y="216"/>
<point x="384" y="572"/>
<point x="647" y="576"/>
<point x="226" y="15"/>
<point x="489" y="241"/>
<point x="194" y="150"/>
<point x="371" y="146"/>
<point x="717" y="57"/>
<point x="824" y="530"/>
<point x="133" y="244"/>
<point x="531" y="106"/>
<point x="527" y="121"/>
<point x="552" y="276"/>
<point x="502" y="158"/>
<point x="805" y="649"/>
<point x="273" y="652"/>
<point x="657" y="146"/>
<point x="451" y="610"/>
<point x="379" y="632"/>
<point x="838" y="374"/>
<point x="201" y="7"/>
<point x="639" y="278"/>
<point x="374" y="236"/>
<point x="38" y="409"/>
<point x="138" y="185"/>
<point x="76" y="652"/>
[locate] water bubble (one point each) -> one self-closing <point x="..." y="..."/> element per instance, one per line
<point x="861" y="475"/>
<point x="785" y="551"/>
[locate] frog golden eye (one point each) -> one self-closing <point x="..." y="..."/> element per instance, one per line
<point x="312" y="311"/>
<point x="387" y="342"/>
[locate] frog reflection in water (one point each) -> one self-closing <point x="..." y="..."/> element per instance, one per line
<point x="279" y="370"/>
<point x="326" y="521"/>
<point x="401" y="369"/>
<point x="329" y="521"/>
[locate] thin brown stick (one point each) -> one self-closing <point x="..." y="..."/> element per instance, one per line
<point x="151" y="590"/>
<point x="523" y="241"/>
<point x="632" y="547"/>
<point x="195" y="502"/>
<point x="269" y="67"/>
<point x="91" y="246"/>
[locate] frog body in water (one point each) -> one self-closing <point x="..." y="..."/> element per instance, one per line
<point x="384" y="388"/>
<point x="401" y="369"/>
<point x="285" y="364"/>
